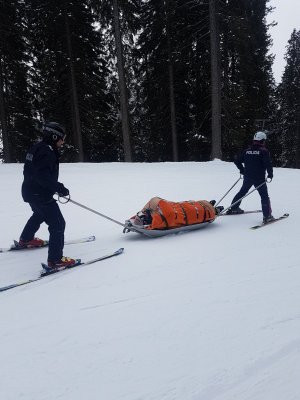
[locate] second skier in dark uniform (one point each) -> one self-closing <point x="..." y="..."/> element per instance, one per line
<point x="254" y="162"/>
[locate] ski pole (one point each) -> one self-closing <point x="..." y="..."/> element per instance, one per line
<point x="93" y="211"/>
<point x="228" y="191"/>
<point x="263" y="183"/>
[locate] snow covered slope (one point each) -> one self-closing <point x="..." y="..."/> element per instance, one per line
<point x="208" y="315"/>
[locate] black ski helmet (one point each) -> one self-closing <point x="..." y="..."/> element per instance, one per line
<point x="54" y="131"/>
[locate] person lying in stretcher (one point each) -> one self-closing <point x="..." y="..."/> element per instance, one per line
<point x="163" y="214"/>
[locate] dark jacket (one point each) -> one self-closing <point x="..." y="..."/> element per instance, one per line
<point x="254" y="162"/>
<point x="41" y="171"/>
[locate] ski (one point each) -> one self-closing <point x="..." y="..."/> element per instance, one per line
<point x="15" y="246"/>
<point x="270" y="222"/>
<point x="245" y="212"/>
<point x="44" y="274"/>
<point x="14" y="285"/>
<point x="46" y="271"/>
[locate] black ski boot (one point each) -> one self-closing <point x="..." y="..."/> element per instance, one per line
<point x="233" y="211"/>
<point x="270" y="218"/>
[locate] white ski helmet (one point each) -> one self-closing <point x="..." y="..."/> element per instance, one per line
<point x="260" y="136"/>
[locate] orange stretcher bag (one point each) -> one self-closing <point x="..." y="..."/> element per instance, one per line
<point x="170" y="215"/>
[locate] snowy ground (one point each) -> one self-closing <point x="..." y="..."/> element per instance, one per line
<point x="212" y="314"/>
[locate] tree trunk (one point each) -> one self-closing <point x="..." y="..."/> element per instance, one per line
<point x="74" y="97"/>
<point x="5" y="141"/>
<point x="171" y="82"/>
<point x="122" y="86"/>
<point x="216" y="150"/>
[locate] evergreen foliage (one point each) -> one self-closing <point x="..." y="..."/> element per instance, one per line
<point x="58" y="62"/>
<point x="49" y="24"/>
<point x="188" y="24"/>
<point x="289" y="105"/>
<point x="128" y="13"/>
<point x="247" y="75"/>
<point x="16" y="108"/>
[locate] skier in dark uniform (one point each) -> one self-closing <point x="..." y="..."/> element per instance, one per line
<point x="253" y="163"/>
<point x="41" y="170"/>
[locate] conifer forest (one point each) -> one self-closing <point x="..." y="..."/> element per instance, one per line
<point x="146" y="80"/>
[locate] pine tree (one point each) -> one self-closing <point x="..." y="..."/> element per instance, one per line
<point x="119" y="20"/>
<point x="170" y="52"/>
<point x="248" y="83"/>
<point x="289" y="104"/>
<point x="69" y="74"/>
<point x="153" y="78"/>
<point x="15" y="105"/>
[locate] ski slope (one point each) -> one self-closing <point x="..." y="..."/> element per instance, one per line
<point x="212" y="314"/>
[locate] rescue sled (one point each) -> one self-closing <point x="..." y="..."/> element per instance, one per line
<point x="161" y="217"/>
<point x="154" y="233"/>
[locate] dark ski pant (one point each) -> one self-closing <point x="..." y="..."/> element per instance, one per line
<point x="52" y="216"/>
<point x="263" y="192"/>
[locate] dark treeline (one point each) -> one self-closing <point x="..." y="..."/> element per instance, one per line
<point x="131" y="79"/>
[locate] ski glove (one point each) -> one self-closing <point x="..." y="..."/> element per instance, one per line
<point x="62" y="191"/>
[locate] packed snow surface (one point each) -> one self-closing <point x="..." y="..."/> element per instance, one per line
<point x="212" y="314"/>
